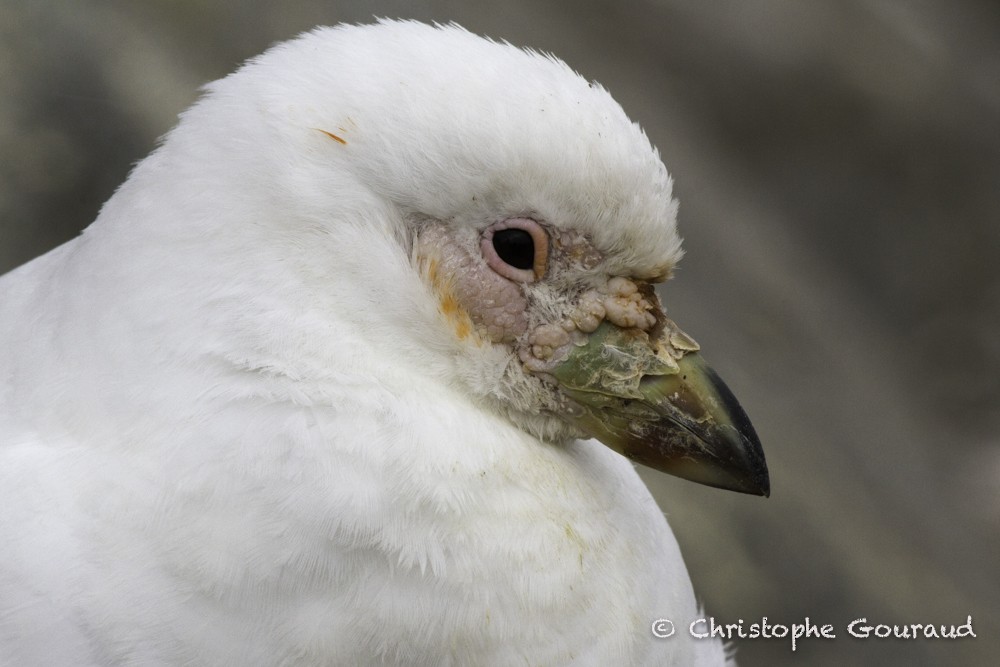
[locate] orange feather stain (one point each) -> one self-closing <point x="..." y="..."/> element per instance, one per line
<point x="456" y="315"/>
<point x="432" y="271"/>
<point x="449" y="306"/>
<point x="332" y="136"/>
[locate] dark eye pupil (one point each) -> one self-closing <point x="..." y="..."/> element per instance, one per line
<point x="516" y="247"/>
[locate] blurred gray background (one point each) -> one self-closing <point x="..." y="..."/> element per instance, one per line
<point x="838" y="166"/>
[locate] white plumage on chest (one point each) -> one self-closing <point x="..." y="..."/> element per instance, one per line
<point x="301" y="396"/>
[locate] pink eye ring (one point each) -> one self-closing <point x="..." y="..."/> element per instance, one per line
<point x="517" y="249"/>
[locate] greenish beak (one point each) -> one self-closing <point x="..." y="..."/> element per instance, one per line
<point x="657" y="402"/>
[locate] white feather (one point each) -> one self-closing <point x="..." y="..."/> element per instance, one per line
<point x="234" y="430"/>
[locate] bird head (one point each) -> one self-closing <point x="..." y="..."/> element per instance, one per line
<point x="514" y="224"/>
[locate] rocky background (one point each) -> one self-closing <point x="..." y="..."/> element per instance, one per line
<point x="838" y="166"/>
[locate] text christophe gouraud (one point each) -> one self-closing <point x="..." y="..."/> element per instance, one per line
<point x="861" y="628"/>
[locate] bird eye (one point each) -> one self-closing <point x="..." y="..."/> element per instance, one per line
<point x="517" y="249"/>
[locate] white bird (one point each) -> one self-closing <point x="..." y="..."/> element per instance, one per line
<point x="308" y="391"/>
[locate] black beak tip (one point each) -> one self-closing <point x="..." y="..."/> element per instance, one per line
<point x="754" y="465"/>
<point x="762" y="482"/>
<point x="758" y="477"/>
<point x="755" y="476"/>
